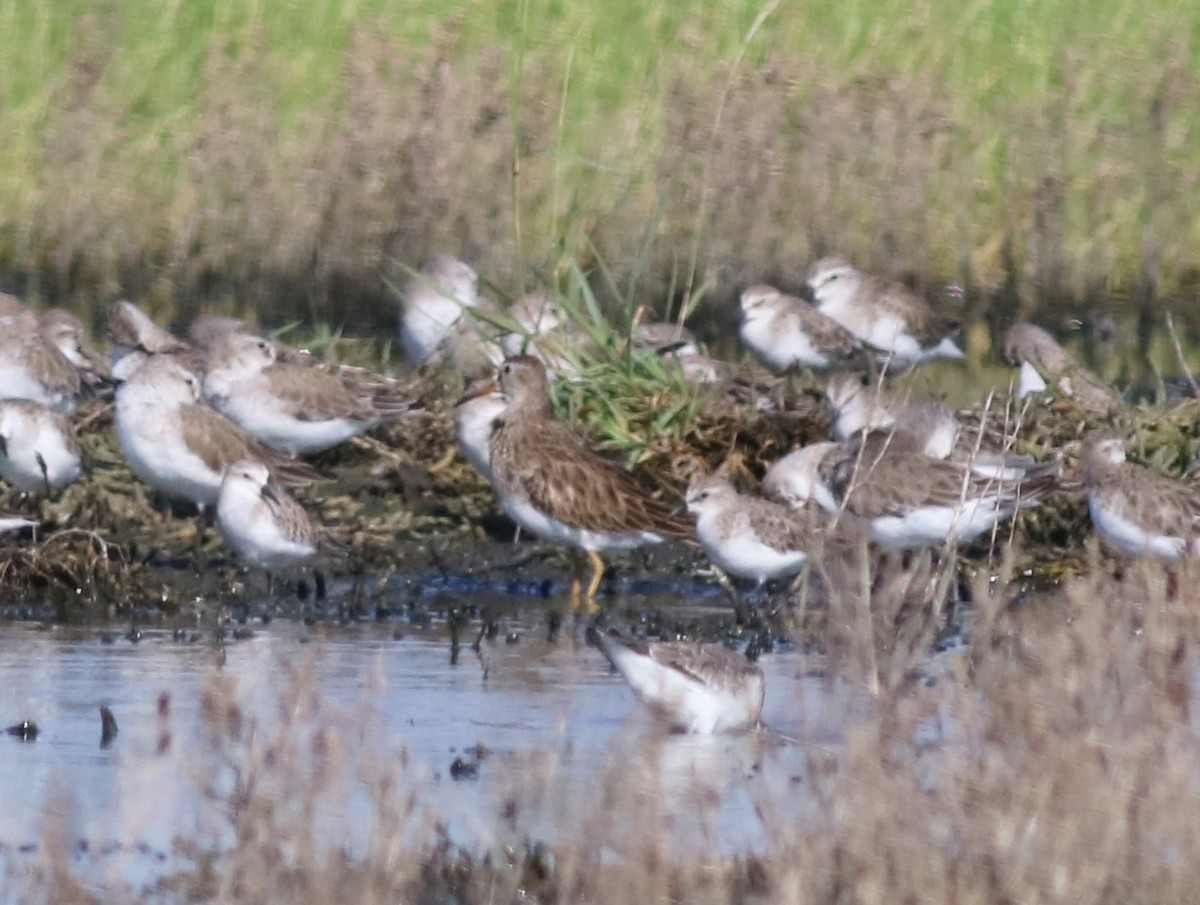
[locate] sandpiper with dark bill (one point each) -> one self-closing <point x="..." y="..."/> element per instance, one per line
<point x="748" y="536"/>
<point x="39" y="452"/>
<point x="264" y="524"/>
<point x="1047" y="366"/>
<point x="909" y="499"/>
<point x="180" y="446"/>
<point x="290" y="407"/>
<point x="784" y="332"/>
<point x="1137" y="510"/>
<point x="553" y="485"/>
<point x="695" y="687"/>
<point x="882" y="313"/>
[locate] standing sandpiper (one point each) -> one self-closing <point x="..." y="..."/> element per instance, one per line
<point x="1137" y="510"/>
<point x="38" y="449"/>
<point x="261" y="522"/>
<point x="180" y="446"/>
<point x="554" y="486"/>
<point x="784" y="332"/>
<point x="747" y="536"/>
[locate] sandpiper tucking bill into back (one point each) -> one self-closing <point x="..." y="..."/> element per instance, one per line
<point x="909" y="499"/>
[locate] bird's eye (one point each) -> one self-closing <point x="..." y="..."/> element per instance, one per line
<point x="703" y="495"/>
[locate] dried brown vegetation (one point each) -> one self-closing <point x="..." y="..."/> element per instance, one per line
<point x="730" y="174"/>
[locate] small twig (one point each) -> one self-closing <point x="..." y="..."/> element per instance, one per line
<point x="1187" y="372"/>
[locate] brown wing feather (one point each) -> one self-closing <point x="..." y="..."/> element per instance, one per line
<point x="562" y="476"/>
<point x="313" y="395"/>
<point x="58" y="374"/>
<point x="778" y="526"/>
<point x="926" y="325"/>
<point x="292" y="518"/>
<point x="827" y="334"/>
<point x="1159" y="502"/>
<point x="891" y="478"/>
<point x="708" y="664"/>
<point x="220" y="442"/>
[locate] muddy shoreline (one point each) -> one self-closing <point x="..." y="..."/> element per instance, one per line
<point x="417" y="521"/>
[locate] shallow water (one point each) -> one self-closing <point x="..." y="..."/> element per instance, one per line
<point x="550" y="714"/>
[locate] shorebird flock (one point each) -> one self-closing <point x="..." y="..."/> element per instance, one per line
<point x="223" y="417"/>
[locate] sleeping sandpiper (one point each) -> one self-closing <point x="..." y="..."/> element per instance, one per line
<point x="1045" y="365"/>
<point x="1137" y="510"/>
<point x="748" y="536"/>
<point x="289" y="407"/>
<point x="261" y="522"/>
<point x="910" y="499"/>
<point x="859" y="407"/>
<point x="65" y="332"/>
<point x="784" y="332"/>
<point x="553" y="485"/>
<point x="882" y="313"/>
<point x="38" y="449"/>
<point x="433" y="328"/>
<point x="696" y="688"/>
<point x="544" y="331"/>
<point x="32" y="367"/>
<point x="180" y="446"/>
<point x="134" y="338"/>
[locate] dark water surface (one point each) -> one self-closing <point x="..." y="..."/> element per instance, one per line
<point x="550" y="712"/>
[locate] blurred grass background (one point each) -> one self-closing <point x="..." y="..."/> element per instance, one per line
<point x="283" y="155"/>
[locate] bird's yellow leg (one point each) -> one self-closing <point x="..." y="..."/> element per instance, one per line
<point x="444" y="462"/>
<point x="594" y="584"/>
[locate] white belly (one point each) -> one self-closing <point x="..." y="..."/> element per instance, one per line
<point x="1130" y="538"/>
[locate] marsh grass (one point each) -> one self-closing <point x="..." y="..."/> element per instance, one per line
<point x="277" y="160"/>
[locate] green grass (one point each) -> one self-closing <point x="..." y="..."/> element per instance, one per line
<point x="142" y="142"/>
